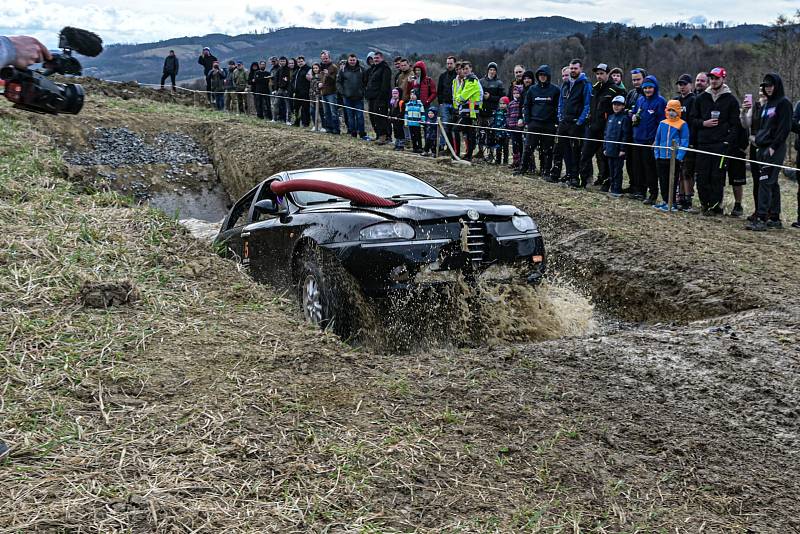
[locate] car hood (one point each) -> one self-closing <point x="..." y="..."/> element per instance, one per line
<point x="430" y="209"/>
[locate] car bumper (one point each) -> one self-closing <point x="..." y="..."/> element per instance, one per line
<point x="383" y="268"/>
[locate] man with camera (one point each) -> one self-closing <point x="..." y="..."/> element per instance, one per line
<point x="21" y="51"/>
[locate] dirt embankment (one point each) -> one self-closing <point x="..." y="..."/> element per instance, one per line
<point x="207" y="404"/>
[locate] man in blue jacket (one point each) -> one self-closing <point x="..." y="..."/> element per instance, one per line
<point x="573" y="110"/>
<point x="540" y="116"/>
<point x="647" y="115"/>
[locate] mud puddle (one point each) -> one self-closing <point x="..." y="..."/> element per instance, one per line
<point x="169" y="171"/>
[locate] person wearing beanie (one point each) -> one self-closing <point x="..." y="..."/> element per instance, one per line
<point x="540" y="119"/>
<point x="528" y="79"/>
<point x="431" y="131"/>
<point x="207" y="60"/>
<point x="776" y="125"/>
<point x="492" y="89"/>
<point x="397" y="118"/>
<point x="686" y="96"/>
<point x="514" y="122"/>
<point x="444" y="94"/>
<point x="715" y="116"/>
<point x="672" y="129"/>
<point x="618" y="131"/>
<point x="647" y="115"/>
<point x="415" y="116"/>
<point x="497" y="140"/>
<point x="603" y="91"/>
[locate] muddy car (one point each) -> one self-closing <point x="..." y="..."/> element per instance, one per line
<point x="329" y="232"/>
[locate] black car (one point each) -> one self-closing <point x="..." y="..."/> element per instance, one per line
<point x="394" y="233"/>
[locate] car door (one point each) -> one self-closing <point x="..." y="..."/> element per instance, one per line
<point x="265" y="247"/>
<point x="232" y="228"/>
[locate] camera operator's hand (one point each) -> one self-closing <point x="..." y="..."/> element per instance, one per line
<point x="25" y="51"/>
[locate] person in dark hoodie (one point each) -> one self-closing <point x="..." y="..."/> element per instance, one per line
<point x="776" y="125"/>
<point x="796" y="129"/>
<point x="260" y="86"/>
<point x="573" y="111"/>
<point x="715" y="118"/>
<point x="493" y="91"/>
<point x="648" y="113"/>
<point x="207" y="60"/>
<point x="378" y="91"/>
<point x="350" y="84"/>
<point x="540" y="116"/>
<point x="599" y="110"/>
<point x="686" y="96"/>
<point x="171" y="66"/>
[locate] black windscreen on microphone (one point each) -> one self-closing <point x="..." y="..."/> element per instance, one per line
<point x="81" y="41"/>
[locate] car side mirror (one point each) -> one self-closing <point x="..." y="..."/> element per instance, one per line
<point x="267" y="206"/>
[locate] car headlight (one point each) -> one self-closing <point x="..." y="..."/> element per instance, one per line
<point x="523" y="223"/>
<point x="389" y="230"/>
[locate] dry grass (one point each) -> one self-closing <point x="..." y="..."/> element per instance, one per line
<point x="207" y="406"/>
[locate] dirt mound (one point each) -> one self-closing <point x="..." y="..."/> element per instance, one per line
<point x="107" y="294"/>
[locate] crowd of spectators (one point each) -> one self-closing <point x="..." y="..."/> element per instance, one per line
<point x="595" y="131"/>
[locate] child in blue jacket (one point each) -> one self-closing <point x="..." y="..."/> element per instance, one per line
<point x="415" y="116"/>
<point x="618" y="128"/>
<point x="673" y="128"/>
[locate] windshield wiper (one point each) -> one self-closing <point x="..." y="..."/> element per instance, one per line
<point x="420" y="195"/>
<point x="326" y="201"/>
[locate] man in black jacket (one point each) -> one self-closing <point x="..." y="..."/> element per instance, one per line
<point x="715" y="118"/>
<point x="171" y="66"/>
<point x="300" y="90"/>
<point x="776" y="124"/>
<point x="444" y="94"/>
<point x="603" y="91"/>
<point x="261" y="90"/>
<point x="540" y="116"/>
<point x="207" y="60"/>
<point x="637" y="79"/>
<point x="378" y="91"/>
<point x="350" y="84"/>
<point x="493" y="91"/>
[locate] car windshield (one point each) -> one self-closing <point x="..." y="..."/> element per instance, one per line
<point x="387" y="184"/>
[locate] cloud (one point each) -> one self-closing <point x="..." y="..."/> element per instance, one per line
<point x="698" y="19"/>
<point x="266" y="14"/>
<point x="316" y="18"/>
<point x="341" y="18"/>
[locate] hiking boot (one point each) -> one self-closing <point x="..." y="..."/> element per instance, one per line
<point x="756" y="226"/>
<point x="752" y="217"/>
<point x="737" y="211"/>
<point x="775" y="225"/>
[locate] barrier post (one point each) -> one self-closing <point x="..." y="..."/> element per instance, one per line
<point x="672" y="157"/>
<point x="438" y="131"/>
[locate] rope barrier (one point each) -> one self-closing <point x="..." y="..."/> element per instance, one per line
<point x="459" y="125"/>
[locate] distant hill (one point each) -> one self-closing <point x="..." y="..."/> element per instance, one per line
<point x="143" y="62"/>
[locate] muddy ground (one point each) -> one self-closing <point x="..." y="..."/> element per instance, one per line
<point x="214" y="408"/>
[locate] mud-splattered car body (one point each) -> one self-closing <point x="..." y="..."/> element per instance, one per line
<point x="384" y="248"/>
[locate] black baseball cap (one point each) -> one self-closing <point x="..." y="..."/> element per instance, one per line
<point x="685" y="79"/>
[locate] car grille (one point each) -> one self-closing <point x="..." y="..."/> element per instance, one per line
<point x="476" y="241"/>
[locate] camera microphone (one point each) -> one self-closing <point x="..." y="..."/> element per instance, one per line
<point x="83" y="42"/>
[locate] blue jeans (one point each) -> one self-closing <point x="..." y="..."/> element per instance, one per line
<point x="446" y="115"/>
<point x="331" y="114"/>
<point x="219" y="100"/>
<point x="355" y="117"/>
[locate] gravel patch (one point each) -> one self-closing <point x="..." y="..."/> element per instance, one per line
<point x="120" y="146"/>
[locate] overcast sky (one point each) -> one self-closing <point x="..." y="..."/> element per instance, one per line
<point x="139" y="21"/>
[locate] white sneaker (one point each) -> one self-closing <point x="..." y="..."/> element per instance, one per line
<point x="273" y="120"/>
<point x="323" y="130"/>
<point x="288" y="123"/>
<point x="312" y="129"/>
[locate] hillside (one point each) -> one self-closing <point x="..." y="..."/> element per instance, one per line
<point x="142" y="62"/>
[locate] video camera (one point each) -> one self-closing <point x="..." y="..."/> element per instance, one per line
<point x="33" y="91"/>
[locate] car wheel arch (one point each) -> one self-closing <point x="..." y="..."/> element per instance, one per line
<point x="303" y="244"/>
